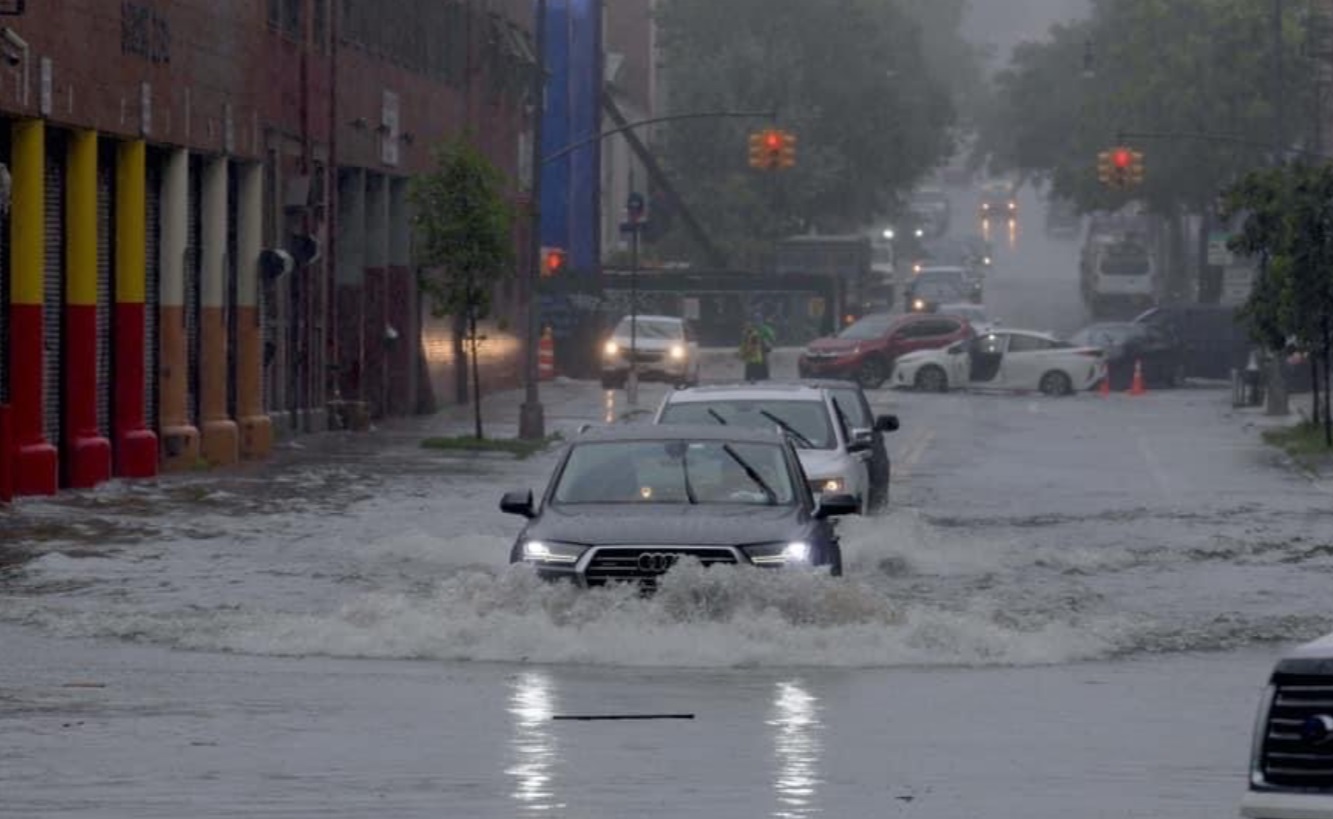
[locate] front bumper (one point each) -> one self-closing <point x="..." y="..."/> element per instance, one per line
<point x="825" y="367"/>
<point x="1285" y="805"/>
<point x="649" y="365"/>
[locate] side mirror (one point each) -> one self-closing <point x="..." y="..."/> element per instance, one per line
<point x="833" y="506"/>
<point x="886" y="423"/>
<point x="518" y="503"/>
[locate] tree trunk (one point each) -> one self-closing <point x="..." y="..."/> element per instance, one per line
<point x="1317" y="409"/>
<point x="459" y="342"/>
<point x="476" y="369"/>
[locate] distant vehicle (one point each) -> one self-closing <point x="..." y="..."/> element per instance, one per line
<point x="973" y="314"/>
<point x="1213" y="340"/>
<point x="999" y="200"/>
<point x="1003" y="359"/>
<point x="1117" y="273"/>
<point x="971" y="252"/>
<point x="830" y="452"/>
<point x="664" y="347"/>
<point x="932" y="286"/>
<point x="851" y="402"/>
<point x="931" y="210"/>
<point x="1291" y="758"/>
<point x="1062" y="219"/>
<point x="865" y="352"/>
<point x="629" y="503"/>
<point x="1127" y="344"/>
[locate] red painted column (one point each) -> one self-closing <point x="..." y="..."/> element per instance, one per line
<point x="88" y="454"/>
<point x="36" y="470"/>
<point x="136" y="445"/>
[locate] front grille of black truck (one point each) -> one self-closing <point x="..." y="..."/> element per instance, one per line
<point x="1298" y="740"/>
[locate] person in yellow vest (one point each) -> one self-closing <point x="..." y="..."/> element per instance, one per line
<point x="757" y="340"/>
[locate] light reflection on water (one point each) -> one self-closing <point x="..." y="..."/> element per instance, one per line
<point x="533" y="745"/>
<point x="799" y="750"/>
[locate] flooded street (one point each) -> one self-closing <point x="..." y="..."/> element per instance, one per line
<point x="1070" y="608"/>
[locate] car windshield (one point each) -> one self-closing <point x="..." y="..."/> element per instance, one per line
<point x="867" y="328"/>
<point x="954" y="277"/>
<point x="651" y="328"/>
<point x="936" y="290"/>
<point x="675" y="472"/>
<point x="807" y="421"/>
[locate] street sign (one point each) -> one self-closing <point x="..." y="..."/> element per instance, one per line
<point x="634" y="206"/>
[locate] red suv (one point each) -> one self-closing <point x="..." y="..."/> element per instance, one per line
<point x="865" y="351"/>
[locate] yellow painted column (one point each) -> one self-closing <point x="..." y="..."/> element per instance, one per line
<point x="87" y="453"/>
<point x="34" y="462"/>
<point x="220" y="443"/>
<point x="255" y="426"/>
<point x="136" y="445"/>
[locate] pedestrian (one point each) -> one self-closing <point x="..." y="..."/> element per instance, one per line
<point x="767" y="341"/>
<point x="752" y="352"/>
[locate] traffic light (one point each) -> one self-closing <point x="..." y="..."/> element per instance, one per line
<point x="772" y="149"/>
<point x="1105" y="168"/>
<point x="787" y="153"/>
<point x="757" y="149"/>
<point x="553" y="261"/>
<point x="1135" y="168"/>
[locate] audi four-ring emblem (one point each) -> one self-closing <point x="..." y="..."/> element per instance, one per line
<point x="657" y="561"/>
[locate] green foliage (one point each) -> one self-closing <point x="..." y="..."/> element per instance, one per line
<point x="464" y="229"/>
<point x="847" y="77"/>
<point x="1289" y="225"/>
<point x="464" y="240"/>
<point x="1159" y="66"/>
<point x="520" y="448"/>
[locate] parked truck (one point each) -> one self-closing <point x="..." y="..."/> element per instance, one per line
<point x="1118" y="274"/>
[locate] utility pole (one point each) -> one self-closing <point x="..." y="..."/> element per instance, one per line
<point x="532" y="417"/>
<point x="1277" y="403"/>
<point x="634" y="226"/>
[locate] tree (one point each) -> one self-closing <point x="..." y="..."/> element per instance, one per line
<point x="1289" y="225"/>
<point x="847" y="77"/>
<point x="1197" y="71"/>
<point x="464" y="230"/>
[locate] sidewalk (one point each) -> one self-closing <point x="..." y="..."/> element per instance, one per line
<point x="1318" y="468"/>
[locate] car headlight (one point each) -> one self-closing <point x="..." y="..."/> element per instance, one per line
<point x="828" y="486"/>
<point x="543" y="551"/>
<point x="778" y="554"/>
<point x="986" y="260"/>
<point x="1013" y="206"/>
<point x="612" y="348"/>
<point x="677" y="352"/>
<point x="919" y="304"/>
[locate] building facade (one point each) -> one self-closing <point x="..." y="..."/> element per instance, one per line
<point x="206" y="241"/>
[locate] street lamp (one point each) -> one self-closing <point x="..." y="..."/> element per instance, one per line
<point x="531" y="416"/>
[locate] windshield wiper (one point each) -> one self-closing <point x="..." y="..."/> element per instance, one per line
<point x="752" y="474"/>
<point x="789" y="429"/>
<point x="689" y="487"/>
<point x="717" y="416"/>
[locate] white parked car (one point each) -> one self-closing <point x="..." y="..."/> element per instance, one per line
<point x="665" y="348"/>
<point x="1291" y="751"/>
<point x="1003" y="359"/>
<point x="834" y="456"/>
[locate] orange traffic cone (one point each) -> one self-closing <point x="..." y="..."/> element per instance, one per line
<point x="546" y="356"/>
<point x="1104" y="389"/>
<point x="1136" y="387"/>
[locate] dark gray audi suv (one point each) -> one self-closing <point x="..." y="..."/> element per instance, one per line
<point x="627" y="503"/>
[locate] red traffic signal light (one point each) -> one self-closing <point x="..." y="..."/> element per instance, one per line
<point x="1122" y="157"/>
<point x="553" y="261"/>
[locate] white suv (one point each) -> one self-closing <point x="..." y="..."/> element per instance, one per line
<point x="1291" y="755"/>
<point x="664" y="347"/>
<point x="834" y="456"/>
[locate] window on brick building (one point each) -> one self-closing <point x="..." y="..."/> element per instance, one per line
<point x="320" y="20"/>
<point x="291" y="18"/>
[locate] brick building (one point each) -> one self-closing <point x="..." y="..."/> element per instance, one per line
<point x="207" y="237"/>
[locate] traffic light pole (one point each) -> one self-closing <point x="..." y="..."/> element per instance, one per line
<point x="531" y="415"/>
